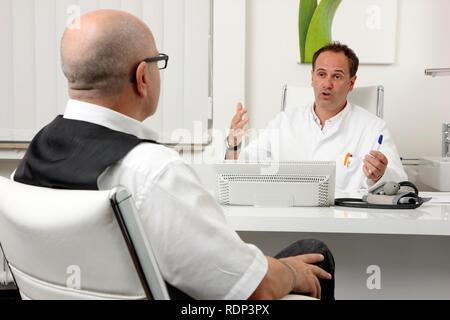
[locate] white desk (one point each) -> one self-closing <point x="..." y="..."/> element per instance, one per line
<point x="411" y="247"/>
<point x="429" y="219"/>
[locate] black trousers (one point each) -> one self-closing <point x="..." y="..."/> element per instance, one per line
<point x="298" y="247"/>
<point x="314" y="246"/>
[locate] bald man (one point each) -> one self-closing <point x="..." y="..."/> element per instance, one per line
<point x="112" y="67"/>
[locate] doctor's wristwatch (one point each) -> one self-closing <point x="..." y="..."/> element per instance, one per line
<point x="232" y="148"/>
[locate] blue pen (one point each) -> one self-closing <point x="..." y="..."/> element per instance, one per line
<point x="380" y="141"/>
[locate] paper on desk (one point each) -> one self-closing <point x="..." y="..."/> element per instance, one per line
<point x="436" y="197"/>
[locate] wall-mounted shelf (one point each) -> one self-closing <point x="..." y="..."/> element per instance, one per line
<point x="437" y="72"/>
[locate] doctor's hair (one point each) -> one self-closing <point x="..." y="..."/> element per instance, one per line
<point x="337" y="47"/>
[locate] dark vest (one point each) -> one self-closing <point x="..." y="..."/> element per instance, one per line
<point x="71" y="154"/>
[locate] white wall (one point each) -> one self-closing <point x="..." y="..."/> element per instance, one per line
<point x="229" y="59"/>
<point x="415" y="105"/>
<point x="255" y="53"/>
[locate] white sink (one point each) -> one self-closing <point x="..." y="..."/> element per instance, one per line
<point x="435" y="172"/>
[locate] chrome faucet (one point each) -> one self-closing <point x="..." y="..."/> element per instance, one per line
<point x="446" y="140"/>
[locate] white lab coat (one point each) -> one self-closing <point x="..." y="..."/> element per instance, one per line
<point x="296" y="135"/>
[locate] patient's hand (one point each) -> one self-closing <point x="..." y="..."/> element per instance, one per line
<point x="375" y="164"/>
<point x="238" y="125"/>
<point x="307" y="273"/>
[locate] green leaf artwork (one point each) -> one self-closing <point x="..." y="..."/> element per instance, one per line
<point x="314" y="26"/>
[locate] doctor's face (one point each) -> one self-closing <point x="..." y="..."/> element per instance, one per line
<point x="331" y="80"/>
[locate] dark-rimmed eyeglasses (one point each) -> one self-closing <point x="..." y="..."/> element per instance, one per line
<point x="161" y="61"/>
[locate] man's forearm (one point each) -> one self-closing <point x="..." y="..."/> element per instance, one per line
<point x="232" y="155"/>
<point x="232" y="149"/>
<point x="276" y="284"/>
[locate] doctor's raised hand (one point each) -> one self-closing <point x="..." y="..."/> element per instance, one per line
<point x="237" y="131"/>
<point x="375" y="164"/>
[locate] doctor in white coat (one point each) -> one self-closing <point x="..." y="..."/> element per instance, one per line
<point x="330" y="129"/>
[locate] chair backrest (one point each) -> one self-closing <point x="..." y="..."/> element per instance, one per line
<point x="68" y="244"/>
<point x="370" y="98"/>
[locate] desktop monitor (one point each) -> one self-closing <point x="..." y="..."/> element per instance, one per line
<point x="276" y="184"/>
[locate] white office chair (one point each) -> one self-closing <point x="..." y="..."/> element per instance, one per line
<point x="71" y="244"/>
<point x="370" y="98"/>
<point x="74" y="244"/>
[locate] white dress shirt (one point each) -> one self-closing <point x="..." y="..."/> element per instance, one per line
<point x="196" y="251"/>
<point x="296" y="135"/>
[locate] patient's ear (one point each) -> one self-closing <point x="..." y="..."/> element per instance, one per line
<point x="142" y="79"/>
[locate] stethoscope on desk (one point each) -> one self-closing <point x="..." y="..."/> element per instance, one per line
<point x="387" y="195"/>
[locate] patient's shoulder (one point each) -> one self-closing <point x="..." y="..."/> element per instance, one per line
<point x="150" y="156"/>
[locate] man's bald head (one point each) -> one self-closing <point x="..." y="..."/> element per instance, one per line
<point x="101" y="55"/>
